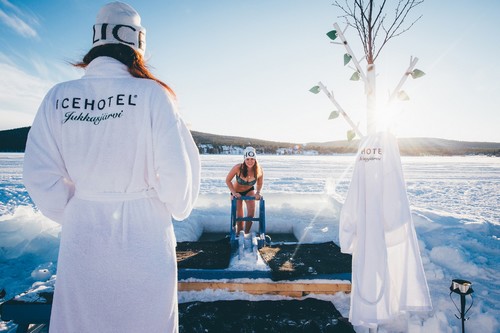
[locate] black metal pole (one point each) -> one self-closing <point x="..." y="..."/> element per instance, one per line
<point x="462" y="311"/>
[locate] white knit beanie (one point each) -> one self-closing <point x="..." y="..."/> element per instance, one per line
<point x="116" y="23"/>
<point x="249" y="152"/>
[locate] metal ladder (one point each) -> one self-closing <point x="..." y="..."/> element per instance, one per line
<point x="261" y="235"/>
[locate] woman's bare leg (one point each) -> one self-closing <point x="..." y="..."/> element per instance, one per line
<point x="239" y="214"/>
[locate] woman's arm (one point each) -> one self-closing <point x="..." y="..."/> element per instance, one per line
<point x="229" y="180"/>
<point x="44" y="171"/>
<point x="260" y="183"/>
<point x="176" y="160"/>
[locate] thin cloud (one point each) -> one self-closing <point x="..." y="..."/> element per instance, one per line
<point x="11" y="16"/>
<point x="21" y="94"/>
<point x="20" y="90"/>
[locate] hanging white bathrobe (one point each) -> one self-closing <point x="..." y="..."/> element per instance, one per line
<point x="376" y="227"/>
<point x="110" y="159"/>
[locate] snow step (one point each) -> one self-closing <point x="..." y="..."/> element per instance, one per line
<point x="248" y="244"/>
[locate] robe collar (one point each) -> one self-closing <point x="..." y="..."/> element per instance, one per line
<point x="106" y="67"/>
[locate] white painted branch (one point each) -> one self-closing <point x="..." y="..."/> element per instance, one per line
<point x="413" y="62"/>
<point x="341" y="110"/>
<point x="349" y="50"/>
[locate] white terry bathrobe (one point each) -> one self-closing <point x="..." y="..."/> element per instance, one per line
<point x="110" y="159"/>
<point x="376" y="227"/>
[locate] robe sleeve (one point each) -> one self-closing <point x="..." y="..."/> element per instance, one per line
<point x="176" y="159"/>
<point x="44" y="172"/>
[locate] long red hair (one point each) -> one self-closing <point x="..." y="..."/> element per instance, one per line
<point x="126" y="55"/>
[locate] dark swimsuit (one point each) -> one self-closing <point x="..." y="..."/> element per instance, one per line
<point x="245" y="183"/>
<point x="244" y="193"/>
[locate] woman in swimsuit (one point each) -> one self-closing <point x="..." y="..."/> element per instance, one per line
<point x="249" y="179"/>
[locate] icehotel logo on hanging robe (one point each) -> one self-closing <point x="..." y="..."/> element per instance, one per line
<point x="368" y="154"/>
<point x="79" y="108"/>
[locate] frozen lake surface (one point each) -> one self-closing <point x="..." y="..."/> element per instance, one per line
<point x="454" y="201"/>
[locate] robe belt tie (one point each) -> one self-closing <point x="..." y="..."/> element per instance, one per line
<point x="115" y="196"/>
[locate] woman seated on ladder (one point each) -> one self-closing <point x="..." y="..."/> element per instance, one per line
<point x="249" y="178"/>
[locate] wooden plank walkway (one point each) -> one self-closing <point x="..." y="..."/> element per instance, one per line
<point x="295" y="289"/>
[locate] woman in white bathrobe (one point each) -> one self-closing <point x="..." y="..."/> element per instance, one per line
<point x="109" y="158"/>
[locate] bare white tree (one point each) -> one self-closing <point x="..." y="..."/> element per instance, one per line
<point x="375" y="27"/>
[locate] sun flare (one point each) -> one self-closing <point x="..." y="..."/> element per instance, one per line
<point x="387" y="117"/>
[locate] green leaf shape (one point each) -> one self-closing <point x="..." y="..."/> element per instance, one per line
<point x="347" y="58"/>
<point x="315" y="89"/>
<point x="333" y="115"/>
<point x="403" y="96"/>
<point x="417" y="73"/>
<point x="332" y="34"/>
<point x="350" y="135"/>
<point x="355" y="76"/>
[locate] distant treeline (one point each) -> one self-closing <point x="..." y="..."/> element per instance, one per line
<point x="14" y="140"/>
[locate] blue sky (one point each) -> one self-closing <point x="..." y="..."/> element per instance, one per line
<point x="244" y="68"/>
